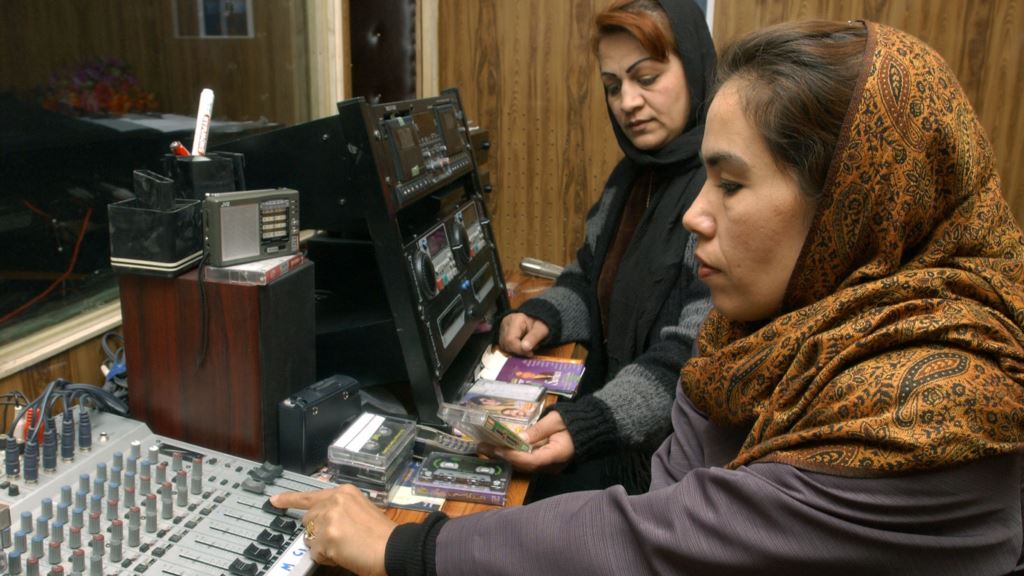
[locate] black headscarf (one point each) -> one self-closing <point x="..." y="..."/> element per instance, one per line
<point x="697" y="51"/>
<point x="641" y="301"/>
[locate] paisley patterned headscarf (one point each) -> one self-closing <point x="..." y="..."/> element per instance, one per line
<point x="899" y="346"/>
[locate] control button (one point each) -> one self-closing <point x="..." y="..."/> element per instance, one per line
<point x="97" y="544"/>
<point x="36" y="547"/>
<point x="166" y="502"/>
<point x="254" y="552"/>
<point x="241" y="568"/>
<point x="254" y="486"/>
<point x="78" y="561"/>
<point x="262" y="475"/>
<point x="268" y="538"/>
<point x="47" y="508"/>
<point x="26" y="522"/>
<point x="275" y="469"/>
<point x="271" y="509"/>
<point x="282" y="524"/>
<point x="117" y="530"/>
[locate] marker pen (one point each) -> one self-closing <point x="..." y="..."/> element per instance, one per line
<point x="203" y="122"/>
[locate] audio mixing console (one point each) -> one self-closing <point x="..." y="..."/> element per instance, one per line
<point x="138" y="503"/>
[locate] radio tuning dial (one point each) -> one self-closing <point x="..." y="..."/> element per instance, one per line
<point x="423" y="270"/>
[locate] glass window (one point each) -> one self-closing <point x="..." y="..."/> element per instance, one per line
<point x="90" y="92"/>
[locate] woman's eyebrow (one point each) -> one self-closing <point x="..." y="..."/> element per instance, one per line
<point x="630" y="69"/>
<point x="715" y="159"/>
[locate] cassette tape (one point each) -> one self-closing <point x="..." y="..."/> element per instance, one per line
<point x="482" y="427"/>
<point x="382" y="479"/>
<point x="373" y="442"/>
<point x="461" y="477"/>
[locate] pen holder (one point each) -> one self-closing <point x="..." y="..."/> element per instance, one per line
<point x="154" y="241"/>
<point x="153" y="190"/>
<point x="196" y="176"/>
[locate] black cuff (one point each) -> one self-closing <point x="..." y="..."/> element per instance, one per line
<point x="591" y="426"/>
<point x="547" y="313"/>
<point x="411" y="548"/>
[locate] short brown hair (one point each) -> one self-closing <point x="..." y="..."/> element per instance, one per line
<point x="644" y="20"/>
<point x="799" y="79"/>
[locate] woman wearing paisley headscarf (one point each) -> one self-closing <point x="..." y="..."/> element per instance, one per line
<point x="857" y="406"/>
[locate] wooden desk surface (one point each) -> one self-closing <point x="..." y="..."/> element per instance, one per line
<point x="520" y="288"/>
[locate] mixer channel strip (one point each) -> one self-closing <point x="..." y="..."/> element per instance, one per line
<point x="138" y="503"/>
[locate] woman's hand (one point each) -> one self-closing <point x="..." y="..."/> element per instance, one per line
<point x="520" y="334"/>
<point x="553" y="448"/>
<point x="343" y="528"/>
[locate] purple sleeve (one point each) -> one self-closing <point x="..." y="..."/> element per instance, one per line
<point x="765" y="517"/>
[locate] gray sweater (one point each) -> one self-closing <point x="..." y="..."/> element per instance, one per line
<point x="700" y="518"/>
<point x="631" y="409"/>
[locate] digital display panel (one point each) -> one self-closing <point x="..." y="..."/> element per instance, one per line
<point x="450" y="130"/>
<point x="474" y="232"/>
<point x="435" y="244"/>
<point x="406" y="147"/>
<point x="425" y="123"/>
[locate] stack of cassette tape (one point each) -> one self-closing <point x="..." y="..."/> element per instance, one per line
<point x="463" y="477"/>
<point x="495" y="412"/>
<point x="372" y="453"/>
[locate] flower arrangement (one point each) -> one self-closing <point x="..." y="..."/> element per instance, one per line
<point x="100" y="86"/>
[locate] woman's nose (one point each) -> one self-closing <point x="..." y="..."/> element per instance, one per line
<point x="632" y="99"/>
<point x="697" y="219"/>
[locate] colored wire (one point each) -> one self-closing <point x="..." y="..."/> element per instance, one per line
<point x="60" y="279"/>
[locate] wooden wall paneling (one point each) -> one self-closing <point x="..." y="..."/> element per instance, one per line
<point x="982" y="41"/>
<point x="1000" y="93"/>
<point x="266" y="75"/>
<point x="262" y="76"/>
<point x="527" y="75"/>
<point x="80" y="364"/>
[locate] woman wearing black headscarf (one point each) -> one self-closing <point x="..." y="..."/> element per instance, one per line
<point x="631" y="296"/>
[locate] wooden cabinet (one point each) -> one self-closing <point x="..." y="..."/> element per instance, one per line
<point x="259" y="348"/>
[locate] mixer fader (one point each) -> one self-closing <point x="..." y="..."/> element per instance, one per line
<point x="139" y="503"/>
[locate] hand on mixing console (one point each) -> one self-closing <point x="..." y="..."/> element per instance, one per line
<point x="520" y="334"/>
<point x="343" y="528"/>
